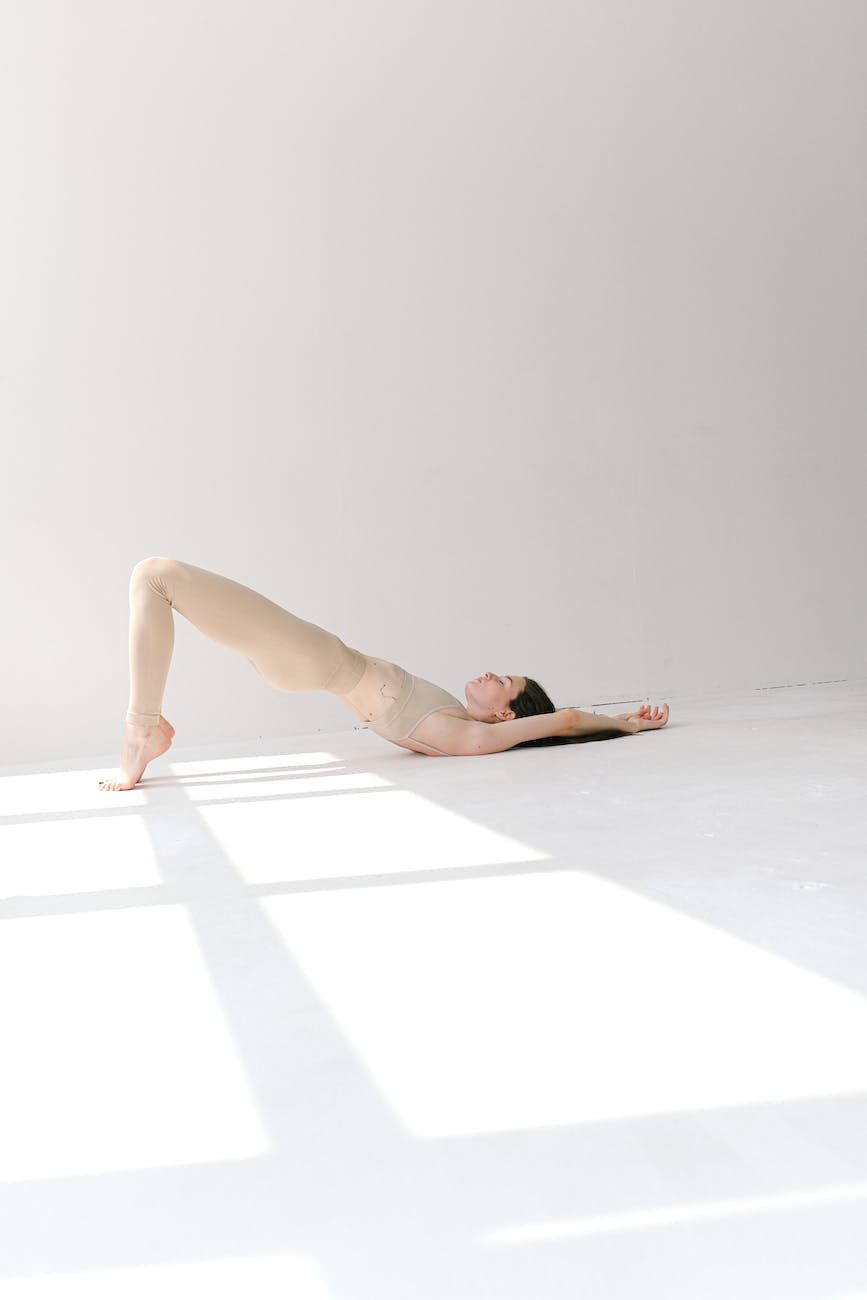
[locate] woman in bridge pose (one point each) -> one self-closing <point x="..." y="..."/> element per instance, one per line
<point x="501" y="711"/>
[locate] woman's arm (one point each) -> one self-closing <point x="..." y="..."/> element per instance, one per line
<point x="457" y="736"/>
<point x="498" y="736"/>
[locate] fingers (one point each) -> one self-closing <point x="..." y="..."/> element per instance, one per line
<point x="649" y="715"/>
<point x="655" y="715"/>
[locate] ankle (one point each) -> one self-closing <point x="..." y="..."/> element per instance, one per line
<point x="142" y="721"/>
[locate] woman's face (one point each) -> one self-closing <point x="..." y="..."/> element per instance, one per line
<point x="488" y="696"/>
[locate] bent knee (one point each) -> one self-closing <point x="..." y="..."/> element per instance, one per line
<point x="154" y="566"/>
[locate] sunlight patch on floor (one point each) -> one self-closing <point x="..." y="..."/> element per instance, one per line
<point x="44" y="793"/>
<point x="76" y="855"/>
<point x="354" y="834"/>
<point x="116" y="1053"/>
<point x="497" y="1004"/>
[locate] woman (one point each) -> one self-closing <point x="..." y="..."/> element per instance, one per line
<point x="294" y="655"/>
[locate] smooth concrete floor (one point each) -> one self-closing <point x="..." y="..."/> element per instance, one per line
<point x="327" y="1020"/>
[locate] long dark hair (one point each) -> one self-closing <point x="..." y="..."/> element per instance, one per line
<point x="532" y="699"/>
<point x="535" y="699"/>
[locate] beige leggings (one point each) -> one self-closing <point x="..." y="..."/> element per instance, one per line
<point x="288" y="652"/>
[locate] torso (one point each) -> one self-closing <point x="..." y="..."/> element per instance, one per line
<point x="378" y="689"/>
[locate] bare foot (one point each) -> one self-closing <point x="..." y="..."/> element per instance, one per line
<point x="140" y="745"/>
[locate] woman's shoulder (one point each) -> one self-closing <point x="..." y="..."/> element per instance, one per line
<point x="443" y="727"/>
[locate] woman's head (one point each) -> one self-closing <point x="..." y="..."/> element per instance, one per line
<point x="495" y="697"/>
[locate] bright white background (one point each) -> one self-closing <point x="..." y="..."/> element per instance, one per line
<point x="487" y="335"/>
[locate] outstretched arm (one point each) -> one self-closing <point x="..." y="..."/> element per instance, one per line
<point x="450" y="735"/>
<point x="496" y="736"/>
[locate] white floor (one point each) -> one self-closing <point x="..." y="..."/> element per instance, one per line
<point x="327" y="1020"/>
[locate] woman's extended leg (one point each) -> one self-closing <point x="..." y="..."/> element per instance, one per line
<point x="287" y="651"/>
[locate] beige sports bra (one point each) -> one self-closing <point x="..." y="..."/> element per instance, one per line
<point x="416" y="701"/>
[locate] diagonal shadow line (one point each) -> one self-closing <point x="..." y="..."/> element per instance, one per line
<point x="241" y="776"/>
<point x="252" y="1206"/>
<point x="157" y="896"/>
<point x="282" y="954"/>
<point x="691" y="907"/>
<point x="285" y="796"/>
<point x="112" y="900"/>
<point x="230" y="919"/>
<point x="139" y="809"/>
<point x="290" y="1108"/>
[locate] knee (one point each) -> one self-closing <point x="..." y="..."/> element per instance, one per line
<point x="155" y="566"/>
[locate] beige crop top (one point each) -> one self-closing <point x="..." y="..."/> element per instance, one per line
<point x="416" y="701"/>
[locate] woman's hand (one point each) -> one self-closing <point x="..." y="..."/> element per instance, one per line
<point x="646" y="718"/>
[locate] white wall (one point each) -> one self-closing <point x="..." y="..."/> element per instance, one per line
<point x="487" y="334"/>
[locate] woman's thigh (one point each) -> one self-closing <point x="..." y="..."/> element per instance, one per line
<point x="288" y="652"/>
